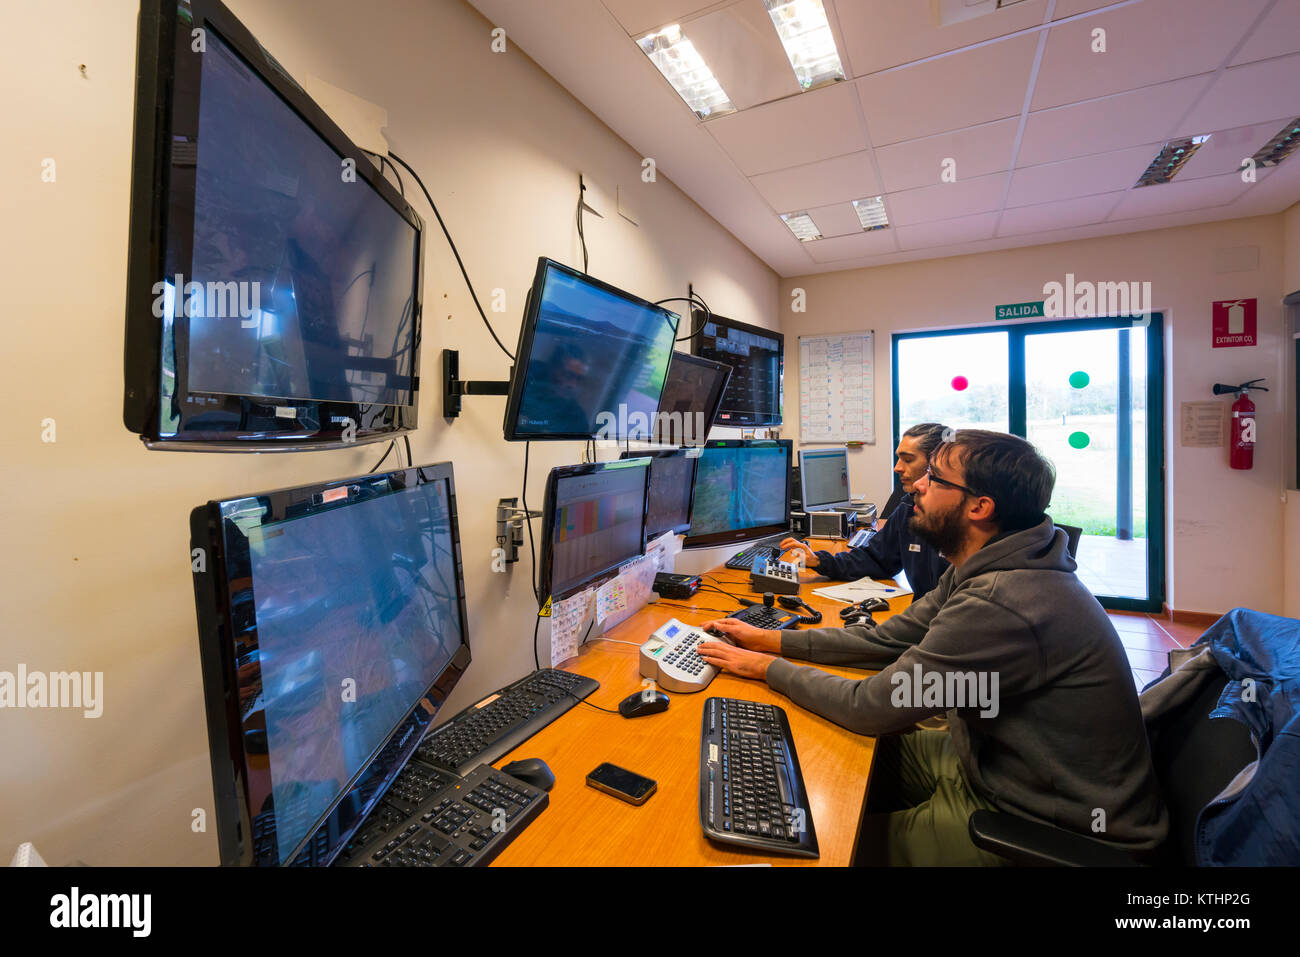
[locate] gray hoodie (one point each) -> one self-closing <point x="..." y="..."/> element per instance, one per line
<point x="1039" y="694"/>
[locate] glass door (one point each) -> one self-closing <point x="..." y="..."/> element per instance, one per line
<point x="1082" y="391"/>
<point x="1086" y="410"/>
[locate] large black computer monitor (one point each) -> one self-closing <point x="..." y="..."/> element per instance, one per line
<point x="742" y="491"/>
<point x="757" y="358"/>
<point x="331" y="628"/>
<point x="273" y="275"/>
<point x="824" y="478"/>
<point x="593" y="520"/>
<point x="591" y="360"/>
<point x="671" y="491"/>
<point x="689" y="404"/>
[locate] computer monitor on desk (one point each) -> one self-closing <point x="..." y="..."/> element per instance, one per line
<point x="593" y="520"/>
<point x="331" y="628"/>
<point x="824" y="478"/>
<point x="742" y="491"/>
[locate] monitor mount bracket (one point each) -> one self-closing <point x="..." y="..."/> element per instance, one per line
<point x="453" y="386"/>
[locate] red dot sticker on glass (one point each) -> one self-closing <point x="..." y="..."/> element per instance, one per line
<point x="960" y="383"/>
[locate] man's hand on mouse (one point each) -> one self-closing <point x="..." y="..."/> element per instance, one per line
<point x="738" y="661"/>
<point x="747" y="636"/>
<point x="793" y="544"/>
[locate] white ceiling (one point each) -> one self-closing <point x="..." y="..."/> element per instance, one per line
<point x="1047" y="136"/>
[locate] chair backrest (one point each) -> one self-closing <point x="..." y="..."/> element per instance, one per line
<point x="1195" y="758"/>
<point x="1072" y="535"/>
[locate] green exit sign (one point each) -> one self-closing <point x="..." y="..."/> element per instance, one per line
<point x="1019" y="310"/>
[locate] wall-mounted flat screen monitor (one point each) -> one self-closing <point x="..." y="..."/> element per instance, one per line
<point x="742" y="491"/>
<point x="591" y="360"/>
<point x="331" y="628"/>
<point x="690" y="400"/>
<point x="671" y="491"/>
<point x="757" y="359"/>
<point x="593" y="520"/>
<point x="273" y="275"/>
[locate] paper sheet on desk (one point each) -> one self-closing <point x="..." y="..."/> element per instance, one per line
<point x="567" y="617"/>
<point x="864" y="588"/>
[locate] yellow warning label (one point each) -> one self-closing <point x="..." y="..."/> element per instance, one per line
<point x="546" y="610"/>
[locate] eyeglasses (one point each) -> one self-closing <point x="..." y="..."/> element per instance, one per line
<point x="930" y="476"/>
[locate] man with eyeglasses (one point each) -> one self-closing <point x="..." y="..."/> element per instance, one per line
<point x="1043" y="716"/>
<point x="896" y="547"/>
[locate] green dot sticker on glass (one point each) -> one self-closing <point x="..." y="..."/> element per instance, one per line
<point x="1079" y="380"/>
<point x="1079" y="440"/>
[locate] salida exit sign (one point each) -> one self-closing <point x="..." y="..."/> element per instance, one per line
<point x="1233" y="323"/>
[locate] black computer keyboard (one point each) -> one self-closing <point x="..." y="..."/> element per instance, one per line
<point x="744" y="560"/>
<point x="761" y="616"/>
<point x="484" y="732"/>
<point x="430" y="818"/>
<point x="751" y="789"/>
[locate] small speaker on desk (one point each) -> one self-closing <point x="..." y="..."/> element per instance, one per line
<point x="799" y="524"/>
<point x="828" y="525"/>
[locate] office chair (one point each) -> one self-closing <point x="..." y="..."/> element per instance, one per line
<point x="1072" y="535"/>
<point x="1195" y="758"/>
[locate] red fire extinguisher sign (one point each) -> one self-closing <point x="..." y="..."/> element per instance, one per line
<point x="1233" y="323"/>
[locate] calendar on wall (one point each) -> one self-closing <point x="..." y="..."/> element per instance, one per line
<point x="837" y="400"/>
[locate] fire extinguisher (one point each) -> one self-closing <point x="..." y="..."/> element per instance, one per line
<point x="1241" y="447"/>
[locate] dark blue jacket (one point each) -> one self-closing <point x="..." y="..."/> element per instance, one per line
<point x="1257" y="820"/>
<point x="893" y="549"/>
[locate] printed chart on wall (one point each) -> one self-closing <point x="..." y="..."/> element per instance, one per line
<point x="837" y="397"/>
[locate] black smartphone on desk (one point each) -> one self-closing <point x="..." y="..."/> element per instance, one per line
<point x="622" y="783"/>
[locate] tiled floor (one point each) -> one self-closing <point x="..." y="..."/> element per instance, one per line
<point x="1148" y="639"/>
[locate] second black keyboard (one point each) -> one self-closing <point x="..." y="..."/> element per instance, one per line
<point x="502" y="721"/>
<point x="744" y="559"/>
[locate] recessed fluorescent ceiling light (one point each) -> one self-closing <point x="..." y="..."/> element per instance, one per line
<point x="806" y="36"/>
<point x="1279" y="147"/>
<point x="801" y="224"/>
<point x="1170" y="160"/>
<point x="683" y="67"/>
<point x="871" y="212"/>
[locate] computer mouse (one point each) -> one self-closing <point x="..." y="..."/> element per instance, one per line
<point x="531" y="771"/>
<point x="874" y="604"/>
<point x="638" y="704"/>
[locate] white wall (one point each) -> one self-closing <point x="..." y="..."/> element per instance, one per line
<point x="1224" y="527"/>
<point x="95" y="567"/>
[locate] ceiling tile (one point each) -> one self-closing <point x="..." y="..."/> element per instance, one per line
<point x="850" y="247"/>
<point x="1084" y="176"/>
<point x="939" y="95"/>
<point x="819" y="184"/>
<point x="1252" y="93"/>
<point x="837" y="219"/>
<point x="975" y="151"/>
<point x="883" y="33"/>
<point x="1110" y="123"/>
<point x="947" y="200"/>
<point x="1060" y="215"/>
<point x="1179" y="196"/>
<point x="794" y="131"/>
<point x="744" y="53"/>
<point x="1146" y="43"/>
<point x="1279" y="33"/>
<point x="639" y="17"/>
<point x="1224" y="151"/>
<point x="947" y="232"/>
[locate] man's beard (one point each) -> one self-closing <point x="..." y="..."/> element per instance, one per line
<point x="944" y="532"/>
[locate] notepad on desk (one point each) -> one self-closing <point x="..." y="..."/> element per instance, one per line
<point x="865" y="588"/>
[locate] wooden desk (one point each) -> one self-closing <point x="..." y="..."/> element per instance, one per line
<point x="582" y="826"/>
